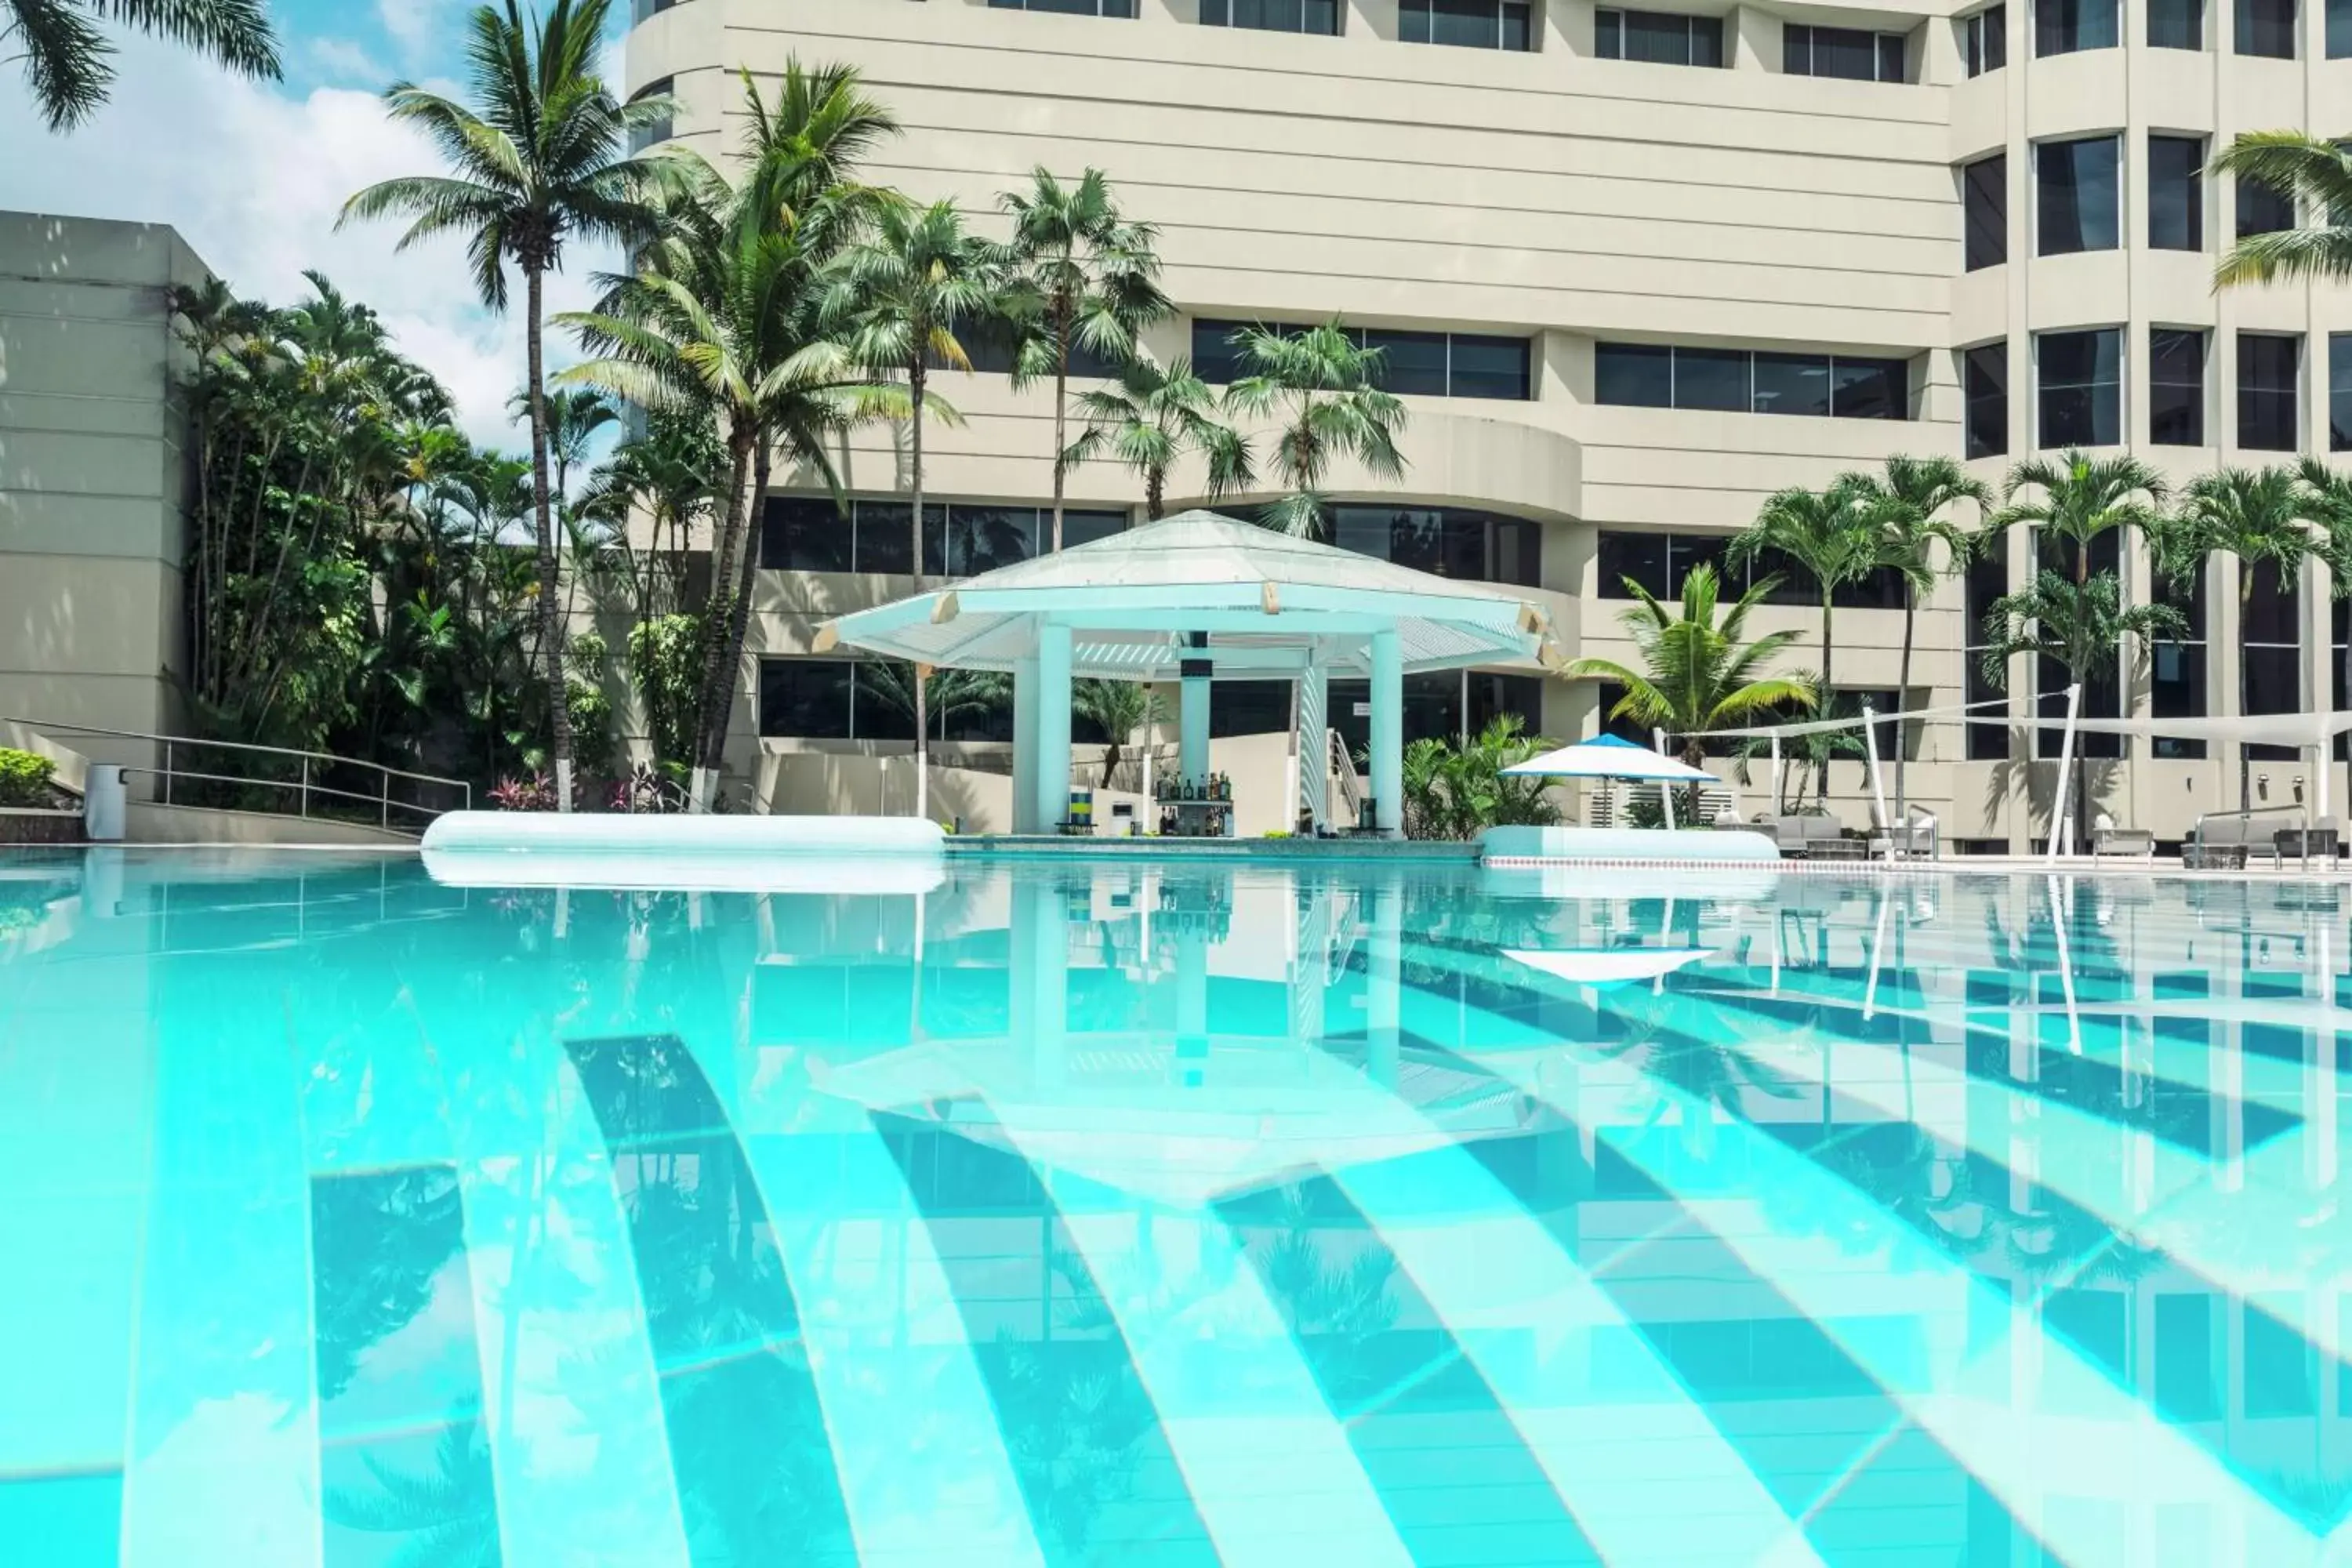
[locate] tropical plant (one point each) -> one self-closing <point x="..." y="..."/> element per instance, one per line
<point x="1905" y="503"/>
<point x="946" y="694"/>
<point x="2317" y="175"/>
<point x="1121" y="709"/>
<point x="1827" y="535"/>
<point x="2264" y="517"/>
<point x="2079" y="623"/>
<point x="895" y="295"/>
<point x="1456" y="790"/>
<point x="1079" y="276"/>
<point x="2328" y="500"/>
<point x="24" y="777"/>
<point x="2075" y="498"/>
<point x="1698" y="673"/>
<point x="721" y="319"/>
<point x="544" y="158"/>
<point x="1148" y="419"/>
<point x="1322" y="388"/>
<point x="670" y="474"/>
<point x="449" y="1515"/>
<point x="66" y="58"/>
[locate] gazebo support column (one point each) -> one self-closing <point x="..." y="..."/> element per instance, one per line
<point x="1025" y="746"/>
<point x="1052" y="726"/>
<point x="1388" y="735"/>
<point x="1192" y="721"/>
<point x="1314" y="747"/>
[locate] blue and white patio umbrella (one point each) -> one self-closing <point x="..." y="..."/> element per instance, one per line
<point x="1612" y="757"/>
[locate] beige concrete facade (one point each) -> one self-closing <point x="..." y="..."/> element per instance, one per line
<point x="1569" y="200"/>
<point x="92" y="471"/>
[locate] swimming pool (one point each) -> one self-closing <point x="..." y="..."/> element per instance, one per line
<point x="1121" y="1214"/>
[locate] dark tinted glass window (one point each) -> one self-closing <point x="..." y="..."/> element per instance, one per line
<point x="2339" y="30"/>
<point x="1273" y="16"/>
<point x="1639" y="375"/>
<point x="1986" y="372"/>
<point x="1410" y="362"/>
<point x="983" y="538"/>
<point x="1793" y="383"/>
<point x="1468" y="24"/>
<point x="1988" y="580"/>
<point x="2175" y="24"/>
<point x="662" y="130"/>
<point x="804" y="533"/>
<point x="2081" y="377"/>
<point x="806" y="698"/>
<point x="886" y="543"/>
<point x="1248" y="707"/>
<point x="2266" y="400"/>
<point x="2176" y="387"/>
<point x="1070" y="8"/>
<point x="2261" y="209"/>
<point x="1448" y="541"/>
<point x="2062" y="26"/>
<point x="1870" y="388"/>
<point x="880" y="702"/>
<point x="2177" y="670"/>
<point x="1081" y="526"/>
<point x="1216" y="359"/>
<point x="1642" y="557"/>
<point x="2175" y="187"/>
<point x="2266" y="28"/>
<point x="2339" y="392"/>
<point x="1890" y="56"/>
<point x="1984" y="200"/>
<point x="1847" y="53"/>
<point x="1984" y="40"/>
<point x="1711" y="378"/>
<point x="1658" y="38"/>
<point x="2076" y="194"/>
<point x="1488" y="367"/>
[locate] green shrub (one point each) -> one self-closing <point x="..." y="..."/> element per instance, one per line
<point x="24" y="777"/>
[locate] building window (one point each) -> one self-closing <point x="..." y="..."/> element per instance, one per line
<point x="2266" y="401"/>
<point x="2261" y="209"/>
<point x="1470" y="24"/>
<point x="1984" y="39"/>
<point x="1847" y="53"/>
<point x="805" y="699"/>
<point x="1274" y="16"/>
<point x="2271" y="633"/>
<point x="1843" y="386"/>
<point x="644" y="136"/>
<point x="2339" y="30"/>
<point x="1988" y="581"/>
<point x="2266" y="28"/>
<point x="2080" y="377"/>
<point x="1662" y="562"/>
<point x="1984" y="204"/>
<point x="1432" y="364"/>
<point x="2076" y="203"/>
<point x="961" y="539"/>
<point x="1446" y="541"/>
<point x="2176" y="387"/>
<point x="644" y="10"/>
<point x="2339" y="392"/>
<point x="1985" y="370"/>
<point x="2175" y="193"/>
<point x="1069" y="7"/>
<point x="2175" y="24"/>
<point x="2177" y="668"/>
<point x="1659" y="37"/>
<point x="2063" y="27"/>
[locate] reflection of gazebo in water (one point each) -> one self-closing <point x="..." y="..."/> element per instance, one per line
<point x="1197" y="597"/>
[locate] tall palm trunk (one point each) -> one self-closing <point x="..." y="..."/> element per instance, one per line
<point x="1822" y="783"/>
<point x="551" y="596"/>
<point x="1061" y="412"/>
<point x="1903" y="700"/>
<point x="740" y="438"/>
<point x="921" y="683"/>
<point x="739" y="621"/>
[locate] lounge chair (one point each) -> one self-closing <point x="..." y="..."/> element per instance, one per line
<point x="2134" y="843"/>
<point x="2321" y="840"/>
<point x="1814" y="839"/>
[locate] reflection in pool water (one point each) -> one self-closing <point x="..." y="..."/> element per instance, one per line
<point x="1127" y="1214"/>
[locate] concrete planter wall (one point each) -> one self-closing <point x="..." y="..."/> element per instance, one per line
<point x="36" y="824"/>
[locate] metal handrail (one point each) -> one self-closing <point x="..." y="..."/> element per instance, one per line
<point x="2196" y="833"/>
<point x="1914" y="816"/>
<point x="382" y="799"/>
<point x="1343" y="766"/>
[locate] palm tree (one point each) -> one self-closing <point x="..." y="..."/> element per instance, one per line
<point x="1082" y="276"/>
<point x="1698" y="674"/>
<point x="1148" y="419"/>
<point x="2080" y="497"/>
<point x="2327" y="503"/>
<point x="545" y="159"/>
<point x="723" y="319"/>
<point x="2318" y="174"/>
<point x="1826" y="534"/>
<point x="65" y="56"/>
<point x="2079" y="623"/>
<point x="1120" y="709"/>
<point x="896" y="297"/>
<point x="2261" y="516"/>
<point x="449" y="1515"/>
<point x="1905" y="502"/>
<point x="574" y="415"/>
<point x="1325" y="388"/>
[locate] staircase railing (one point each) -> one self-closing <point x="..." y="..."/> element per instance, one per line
<point x="316" y="784"/>
<point x="1351" y="787"/>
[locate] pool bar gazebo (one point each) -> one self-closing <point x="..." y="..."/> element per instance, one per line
<point x="1194" y="598"/>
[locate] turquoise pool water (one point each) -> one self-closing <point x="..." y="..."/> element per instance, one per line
<point x="1113" y="1214"/>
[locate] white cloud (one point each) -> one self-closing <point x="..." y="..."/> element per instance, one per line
<point x="254" y="179"/>
<point x="417" y="26"/>
<point x="343" y="60"/>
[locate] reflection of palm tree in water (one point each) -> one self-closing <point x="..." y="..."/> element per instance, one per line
<point x="449" y="1514"/>
<point x="1709" y="1071"/>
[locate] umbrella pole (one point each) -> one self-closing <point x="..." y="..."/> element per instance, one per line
<point x="1776" y="773"/>
<point x="1877" y="788"/>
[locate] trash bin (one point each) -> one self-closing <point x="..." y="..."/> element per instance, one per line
<point x="101" y="803"/>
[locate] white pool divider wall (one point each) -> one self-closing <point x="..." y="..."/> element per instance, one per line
<point x="772" y="854"/>
<point x="1541" y="844"/>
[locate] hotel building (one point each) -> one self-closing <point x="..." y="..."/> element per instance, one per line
<point x="1633" y="270"/>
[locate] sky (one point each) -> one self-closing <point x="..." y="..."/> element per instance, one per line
<point x="253" y="175"/>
